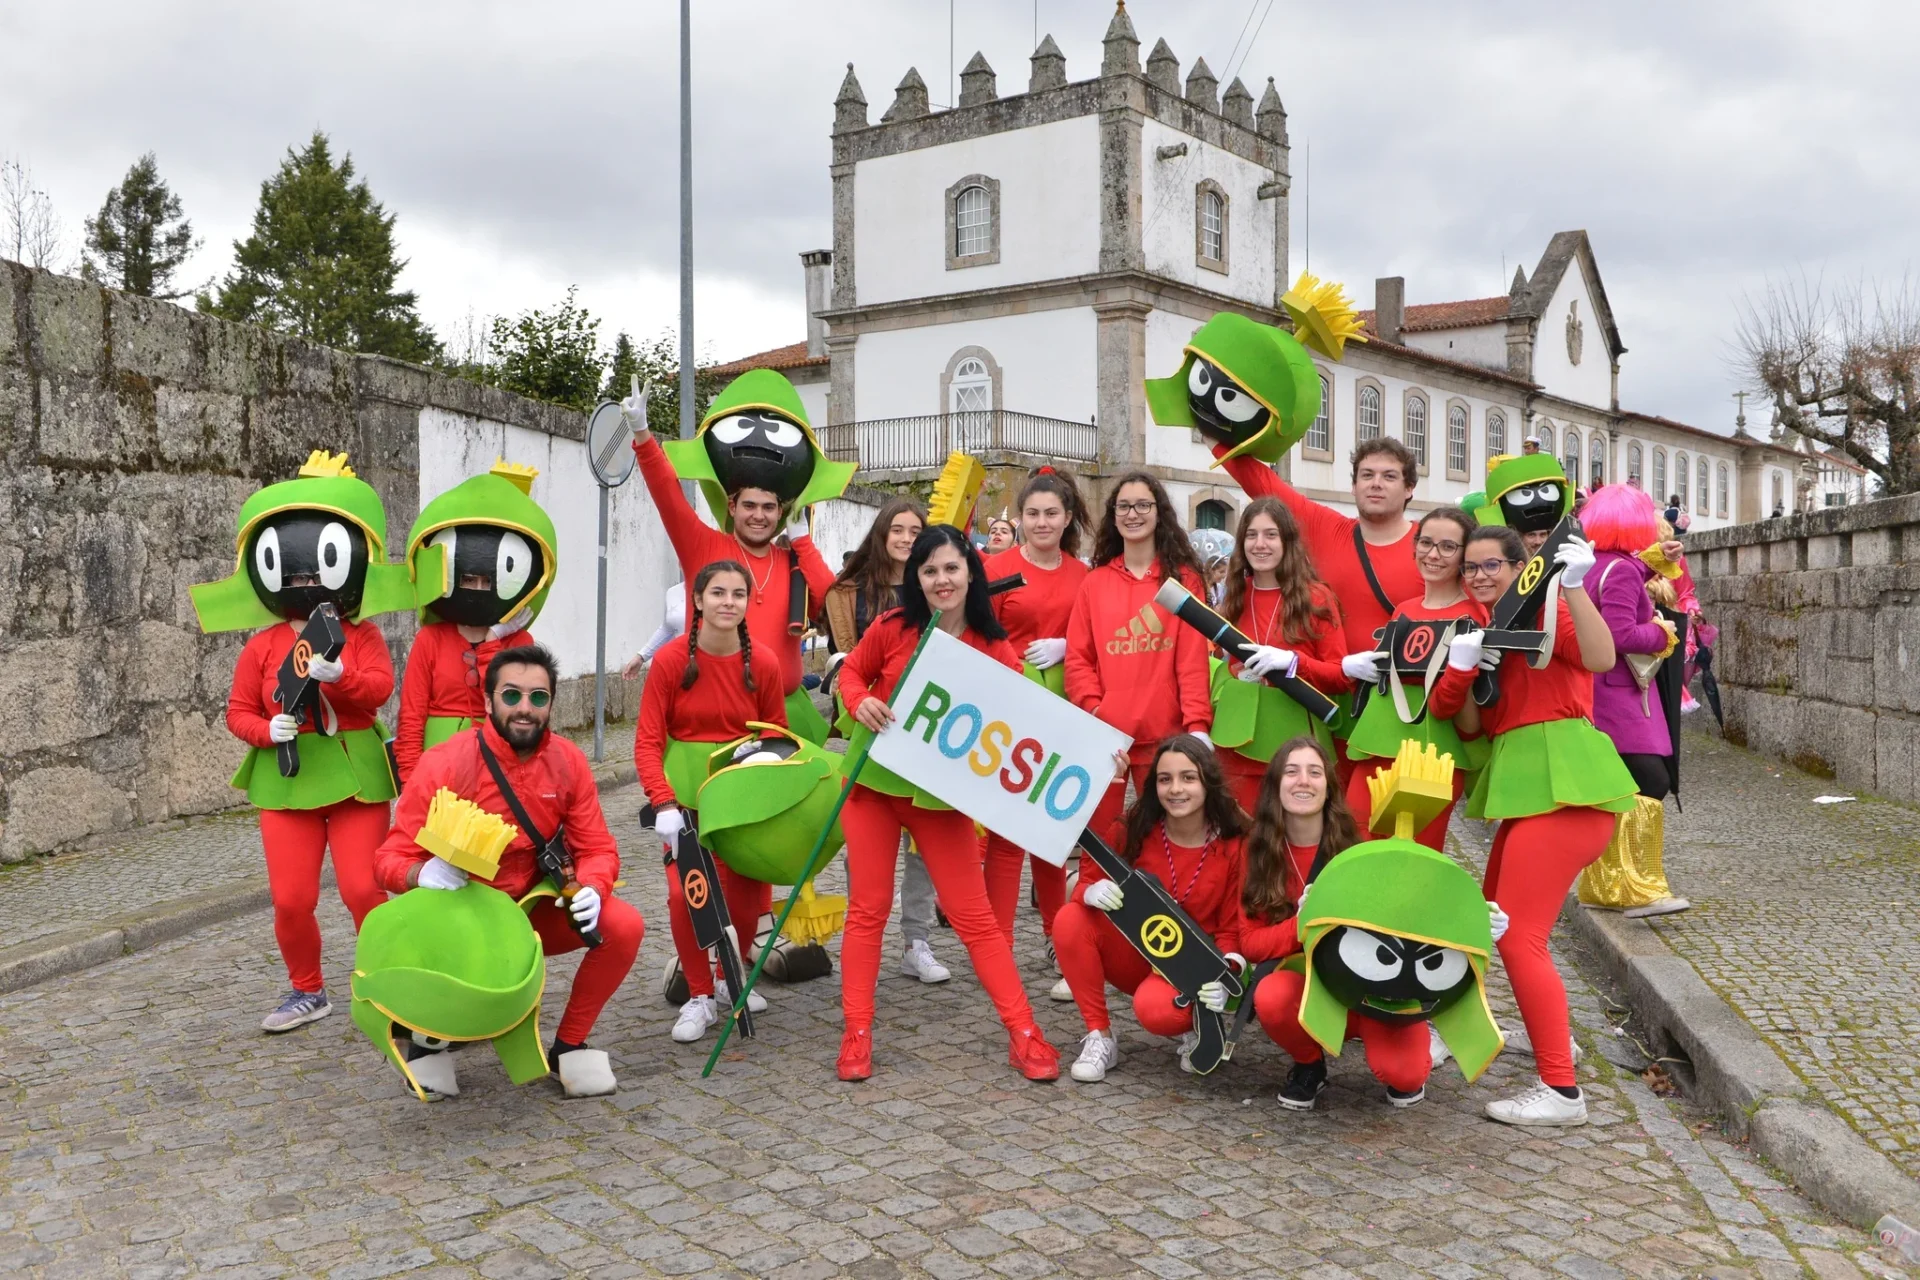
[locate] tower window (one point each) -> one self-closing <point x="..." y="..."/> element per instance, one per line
<point x="1210" y="225"/>
<point x="973" y="222"/>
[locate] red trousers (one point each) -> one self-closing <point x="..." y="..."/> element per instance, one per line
<point x="602" y="970"/>
<point x="1397" y="1055"/>
<point x="951" y="850"/>
<point x="296" y="842"/>
<point x="1533" y="863"/>
<point x="1360" y="801"/>
<point x="1093" y="954"/>
<point x="747" y="900"/>
<point x="1002" y="861"/>
<point x="1109" y="815"/>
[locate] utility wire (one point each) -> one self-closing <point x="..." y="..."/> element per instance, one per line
<point x="1256" y="37"/>
<point x="1243" y="32"/>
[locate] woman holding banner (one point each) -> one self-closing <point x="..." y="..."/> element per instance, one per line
<point x="1186" y="831"/>
<point x="943" y="576"/>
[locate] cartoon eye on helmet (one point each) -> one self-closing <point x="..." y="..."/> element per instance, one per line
<point x="1223" y="410"/>
<point x="761" y="450"/>
<point x="494" y="570"/>
<point x="1388" y="977"/>
<point x="299" y="559"/>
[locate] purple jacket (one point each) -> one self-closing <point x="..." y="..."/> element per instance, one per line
<point x="1631" y="717"/>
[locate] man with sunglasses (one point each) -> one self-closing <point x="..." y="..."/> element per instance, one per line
<point x="553" y="783"/>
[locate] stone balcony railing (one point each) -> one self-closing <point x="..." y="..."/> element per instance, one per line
<point x="899" y="444"/>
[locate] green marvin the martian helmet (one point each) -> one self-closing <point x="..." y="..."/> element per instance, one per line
<point x="756" y="435"/>
<point x="320" y="538"/>
<point x="764" y="802"/>
<point x="1252" y="386"/>
<point x="1528" y="493"/>
<point x="483" y="550"/>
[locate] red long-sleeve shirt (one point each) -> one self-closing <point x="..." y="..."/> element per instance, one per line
<point x="1261" y="937"/>
<point x="1133" y="664"/>
<point x="1562" y="690"/>
<point x="446" y="676"/>
<point x="874" y="667"/>
<point x="1040" y="609"/>
<point x="555" y="786"/>
<point x="1208" y="887"/>
<point x="1263" y="620"/>
<point x="698" y="544"/>
<point x="1329" y="539"/>
<point x="365" y="683"/>
<point x="716" y="709"/>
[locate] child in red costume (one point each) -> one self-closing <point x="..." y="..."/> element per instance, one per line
<point x="944" y="576"/>
<point x="697" y="696"/>
<point x="1052" y="518"/>
<point x="1186" y="832"/>
<point x="1554" y="782"/>
<point x="1129" y="661"/>
<point x="446" y="671"/>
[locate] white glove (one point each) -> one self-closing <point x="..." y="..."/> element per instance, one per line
<point x="1576" y="555"/>
<point x="1464" y="651"/>
<point x="283" y="728"/>
<point x="799" y="523"/>
<point x="1238" y="961"/>
<point x="634" y="408"/>
<point x="1498" y="920"/>
<point x="1104" y="895"/>
<point x="668" y="823"/>
<point x="1362" y="666"/>
<point x="585" y="905"/>
<point x="438" y="873"/>
<point x="1204" y="737"/>
<point x="1213" y="995"/>
<point x="518" y="622"/>
<point x="325" y="670"/>
<point x="1047" y="653"/>
<point x="1490" y="660"/>
<point x="1265" y="660"/>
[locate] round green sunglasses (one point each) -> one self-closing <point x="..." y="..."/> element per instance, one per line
<point x="538" y="698"/>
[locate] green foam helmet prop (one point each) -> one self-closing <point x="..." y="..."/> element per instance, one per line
<point x="762" y="391"/>
<point x="325" y="483"/>
<point x="1518" y="470"/>
<point x="762" y="818"/>
<point x="456" y="965"/>
<point x="502" y="497"/>
<point x="1398" y="887"/>
<point x="1269" y="363"/>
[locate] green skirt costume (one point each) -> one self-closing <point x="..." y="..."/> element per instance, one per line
<point x="1379" y="732"/>
<point x="805" y="719"/>
<point x="1556" y="764"/>
<point x="347" y="766"/>
<point x="1256" y="720"/>
<point x="877" y="777"/>
<point x="1053" y="677"/>
<point x="685" y="764"/>
<point x="440" y="728"/>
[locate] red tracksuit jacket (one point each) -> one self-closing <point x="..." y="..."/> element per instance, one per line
<point x="1133" y="664"/>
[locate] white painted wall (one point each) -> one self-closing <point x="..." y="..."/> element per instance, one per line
<point x="1049" y="211"/>
<point x="1047" y="360"/>
<point x="1167" y="335"/>
<point x="640" y="563"/>
<point x="1589" y="382"/>
<point x="838" y="527"/>
<point x="813" y="398"/>
<point x="1167" y="210"/>
<point x="1484" y="345"/>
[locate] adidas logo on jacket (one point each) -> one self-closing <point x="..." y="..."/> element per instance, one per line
<point x="1133" y="664"/>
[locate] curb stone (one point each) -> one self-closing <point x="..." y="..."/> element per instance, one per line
<point x="1739" y="1075"/>
<point x="95" y="944"/>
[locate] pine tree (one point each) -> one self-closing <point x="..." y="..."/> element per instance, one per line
<point x="320" y="263"/>
<point x="549" y="355"/>
<point x="621" y="369"/>
<point x="140" y="238"/>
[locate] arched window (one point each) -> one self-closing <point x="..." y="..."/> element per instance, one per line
<point x="973" y="222"/>
<point x="1496" y="433"/>
<point x="1634" y="458"/>
<point x="1366" y="422"/>
<point x="1417" y="429"/>
<point x="1210" y="225"/>
<point x="1660" y="493"/>
<point x="1543" y="432"/>
<point x="1596" y="459"/>
<point x="1681" y="478"/>
<point x="1457" y="440"/>
<point x="971" y="391"/>
<point x="1212" y="514"/>
<point x="1701" y="480"/>
<point x="1720" y="487"/>
<point x="1320" y="434"/>
<point x="1570" y="456"/>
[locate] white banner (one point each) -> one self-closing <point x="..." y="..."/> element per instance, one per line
<point x="1007" y="752"/>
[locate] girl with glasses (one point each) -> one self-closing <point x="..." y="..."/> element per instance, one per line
<point x="696" y="697"/>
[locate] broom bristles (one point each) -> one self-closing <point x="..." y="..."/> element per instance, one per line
<point x="815" y="917"/>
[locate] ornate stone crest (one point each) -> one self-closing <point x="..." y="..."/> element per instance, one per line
<point x="1575" y="331"/>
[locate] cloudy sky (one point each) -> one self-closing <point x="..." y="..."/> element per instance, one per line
<point x="1706" y="145"/>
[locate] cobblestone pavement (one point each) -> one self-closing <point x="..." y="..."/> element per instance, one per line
<point x="150" y="1130"/>
<point x="1806" y="920"/>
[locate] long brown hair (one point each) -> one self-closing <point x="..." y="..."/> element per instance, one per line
<point x="1170" y="543"/>
<point x="1223" y="812"/>
<point x="700" y="581"/>
<point x="1044" y="479"/>
<point x="1272" y="889"/>
<point x="1294" y="574"/>
<point x="868" y="567"/>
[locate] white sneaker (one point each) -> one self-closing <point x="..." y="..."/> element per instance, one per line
<point x="1184" y="1048"/>
<point x="434" y="1073"/>
<point x="1061" y="992"/>
<point x="1540" y="1105"/>
<point x="696" y="1015"/>
<point x="723" y="997"/>
<point x="1664" y="907"/>
<point x="1518" y="1041"/>
<point x="1437" y="1051"/>
<point x="1099" y="1054"/>
<point x="919" y="963"/>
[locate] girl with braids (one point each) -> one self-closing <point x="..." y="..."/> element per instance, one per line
<point x="1128" y="661"/>
<point x="1186" y="831"/>
<point x="1278" y="602"/>
<point x="943" y="575"/>
<point x="1053" y="519"/>
<point x="697" y="696"/>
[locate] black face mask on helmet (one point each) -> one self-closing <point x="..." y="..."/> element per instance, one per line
<point x="300" y="559"/>
<point x="1534" y="508"/>
<point x="1221" y="407"/>
<point x="1393" y="979"/>
<point x="756" y="450"/>
<point x="494" y="570"/>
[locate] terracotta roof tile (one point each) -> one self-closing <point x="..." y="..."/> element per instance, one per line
<point x="1424" y="317"/>
<point x="792" y="356"/>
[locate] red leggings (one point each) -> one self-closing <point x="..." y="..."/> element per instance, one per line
<point x="951" y="850"/>
<point x="1534" y="862"/>
<point x="602" y="969"/>
<point x="1111" y="811"/>
<point x="747" y="900"/>
<point x="296" y="842"/>
<point x="1397" y="1055"/>
<point x="1360" y="801"/>
<point x="1002" y="859"/>
<point x="1093" y="954"/>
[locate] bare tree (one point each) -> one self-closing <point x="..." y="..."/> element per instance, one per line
<point x="1842" y="368"/>
<point x="30" y="231"/>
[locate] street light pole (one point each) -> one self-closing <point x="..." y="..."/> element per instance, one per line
<point x="686" y="220"/>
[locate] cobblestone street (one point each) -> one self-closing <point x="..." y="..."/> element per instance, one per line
<point x="150" y="1130"/>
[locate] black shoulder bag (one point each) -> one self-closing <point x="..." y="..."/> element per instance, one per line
<point x="550" y="855"/>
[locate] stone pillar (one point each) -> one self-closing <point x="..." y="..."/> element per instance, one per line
<point x="1120" y="382"/>
<point x="1750" y="470"/>
<point x="1049" y="67"/>
<point x="840" y="403"/>
<point x="1203" y="87"/>
<point x="1120" y="47"/>
<point x="1389" y="307"/>
<point x="844" y="294"/>
<point x="849" y="105"/>
<point x="1272" y="124"/>
<point x="1122" y="122"/>
<point x="977" y="83"/>
<point x="1237" y="104"/>
<point x="818" y="267"/>
<point x="1163" y="69"/>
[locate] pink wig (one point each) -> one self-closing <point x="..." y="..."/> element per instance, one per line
<point x="1619" y="517"/>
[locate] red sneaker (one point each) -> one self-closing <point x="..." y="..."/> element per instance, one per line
<point x="1031" y="1055"/>
<point x="856" y="1054"/>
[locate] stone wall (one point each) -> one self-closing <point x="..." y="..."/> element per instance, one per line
<point x="1819" y="656"/>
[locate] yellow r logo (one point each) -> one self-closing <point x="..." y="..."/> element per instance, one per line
<point x="1530" y="576"/>
<point x="1162" y="936"/>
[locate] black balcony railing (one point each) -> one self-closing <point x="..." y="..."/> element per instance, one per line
<point x="900" y="443"/>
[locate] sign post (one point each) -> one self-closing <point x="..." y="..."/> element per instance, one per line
<point x="610" y="455"/>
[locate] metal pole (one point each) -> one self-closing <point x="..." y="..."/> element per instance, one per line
<point x="687" y="416"/>
<point x="600" y="641"/>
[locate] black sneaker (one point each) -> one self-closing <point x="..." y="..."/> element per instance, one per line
<point x="1303" y="1085"/>
<point x="1413" y="1099"/>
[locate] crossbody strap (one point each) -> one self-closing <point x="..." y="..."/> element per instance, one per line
<point x="1366" y="564"/>
<point x="506" y="792"/>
